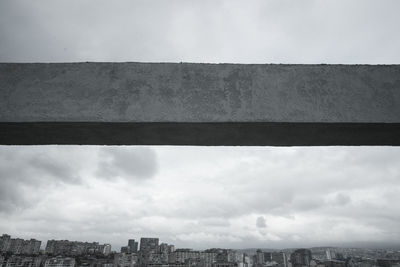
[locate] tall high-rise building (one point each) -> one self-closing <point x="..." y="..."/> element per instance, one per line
<point x="171" y="248"/>
<point x="133" y="246"/>
<point x="267" y="256"/>
<point x="31" y="246"/>
<point x="148" y="244"/>
<point x="259" y="257"/>
<point x="301" y="257"/>
<point x="279" y="258"/>
<point x="4" y="242"/>
<point x="330" y="254"/>
<point x="106" y="249"/>
<point x="246" y="260"/>
<point x="19" y="245"/>
<point x="50" y="246"/>
<point x="163" y="248"/>
<point x="164" y="252"/>
<point x="16" y="245"/>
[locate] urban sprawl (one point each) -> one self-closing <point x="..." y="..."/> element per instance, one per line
<point x="17" y="252"/>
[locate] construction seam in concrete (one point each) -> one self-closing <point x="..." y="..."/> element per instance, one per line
<point x="199" y="104"/>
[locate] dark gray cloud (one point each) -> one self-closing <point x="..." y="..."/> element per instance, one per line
<point x="11" y="196"/>
<point x="51" y="166"/>
<point x="261" y="222"/>
<point x="342" y="199"/>
<point x="25" y="172"/>
<point x="138" y="163"/>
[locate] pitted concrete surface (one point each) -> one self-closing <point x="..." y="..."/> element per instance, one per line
<point x="199" y="93"/>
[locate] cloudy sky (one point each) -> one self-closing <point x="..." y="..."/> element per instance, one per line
<point x="255" y="31"/>
<point x="202" y="196"/>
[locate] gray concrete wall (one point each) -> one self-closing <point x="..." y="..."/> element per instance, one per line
<point x="166" y="92"/>
<point x="203" y="94"/>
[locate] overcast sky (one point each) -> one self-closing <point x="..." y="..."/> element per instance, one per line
<point x="247" y="31"/>
<point x="202" y="196"/>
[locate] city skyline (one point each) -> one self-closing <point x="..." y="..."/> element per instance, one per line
<point x="34" y="246"/>
<point x="16" y="252"/>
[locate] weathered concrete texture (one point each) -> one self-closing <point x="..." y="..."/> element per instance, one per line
<point x="173" y="92"/>
<point x="199" y="104"/>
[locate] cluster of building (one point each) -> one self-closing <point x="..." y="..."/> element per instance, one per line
<point x="17" y="252"/>
<point x="149" y="252"/>
<point x="76" y="248"/>
<point x="18" y="245"/>
<point x="36" y="261"/>
<point x="271" y="258"/>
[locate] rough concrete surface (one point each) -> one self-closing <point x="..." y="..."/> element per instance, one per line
<point x="173" y="92"/>
<point x="203" y="97"/>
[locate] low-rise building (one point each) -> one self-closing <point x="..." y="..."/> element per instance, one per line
<point x="60" y="262"/>
<point x="75" y="248"/>
<point x="23" y="261"/>
<point x="182" y="255"/>
<point x="125" y="259"/>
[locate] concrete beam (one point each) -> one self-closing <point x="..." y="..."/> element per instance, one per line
<point x="199" y="104"/>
